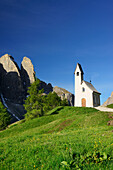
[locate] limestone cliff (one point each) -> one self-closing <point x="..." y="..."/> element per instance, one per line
<point x="27" y="73"/>
<point x="14" y="83"/>
<point x="10" y="79"/>
<point x="109" y="100"/>
<point x="64" y="94"/>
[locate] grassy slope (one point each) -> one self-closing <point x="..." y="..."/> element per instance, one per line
<point x="110" y="106"/>
<point x="45" y="142"/>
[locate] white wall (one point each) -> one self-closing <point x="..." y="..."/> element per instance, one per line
<point x="77" y="86"/>
<point x="79" y="94"/>
<point x="87" y="94"/>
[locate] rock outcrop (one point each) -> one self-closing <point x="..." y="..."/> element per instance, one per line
<point x="64" y="94"/>
<point x="47" y="87"/>
<point x="14" y="83"/>
<point x="27" y="73"/>
<point x="10" y="79"/>
<point x="109" y="100"/>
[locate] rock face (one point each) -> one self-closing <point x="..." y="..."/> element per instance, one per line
<point x="10" y="79"/>
<point x="27" y="73"/>
<point x="109" y="100"/>
<point x="14" y="83"/>
<point x="47" y="87"/>
<point x="64" y="94"/>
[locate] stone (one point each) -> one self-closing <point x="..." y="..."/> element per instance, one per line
<point x="110" y="123"/>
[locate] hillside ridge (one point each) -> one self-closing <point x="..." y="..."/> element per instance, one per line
<point x="45" y="142"/>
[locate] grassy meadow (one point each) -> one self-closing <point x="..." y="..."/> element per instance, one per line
<point x="65" y="138"/>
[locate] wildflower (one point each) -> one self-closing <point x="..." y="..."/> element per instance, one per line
<point x="34" y="166"/>
<point x="99" y="140"/>
<point x="66" y="148"/>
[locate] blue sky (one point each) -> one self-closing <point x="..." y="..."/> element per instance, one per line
<point x="56" y="34"/>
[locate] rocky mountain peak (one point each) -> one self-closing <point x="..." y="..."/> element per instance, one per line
<point x="14" y="83"/>
<point x="112" y="94"/>
<point x="27" y="70"/>
<point x="109" y="100"/>
<point x="10" y="79"/>
<point x="8" y="64"/>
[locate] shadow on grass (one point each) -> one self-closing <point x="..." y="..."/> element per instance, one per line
<point x="56" y="110"/>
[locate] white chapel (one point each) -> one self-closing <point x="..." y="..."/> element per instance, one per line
<point x="85" y="93"/>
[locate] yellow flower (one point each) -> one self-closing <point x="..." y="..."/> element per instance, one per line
<point x="34" y="166"/>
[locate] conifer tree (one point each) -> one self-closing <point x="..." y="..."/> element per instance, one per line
<point x="4" y="117"/>
<point x="37" y="103"/>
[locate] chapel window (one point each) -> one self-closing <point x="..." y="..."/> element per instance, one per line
<point x="77" y="73"/>
<point x="83" y="89"/>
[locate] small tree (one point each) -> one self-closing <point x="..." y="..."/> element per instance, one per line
<point x="38" y="104"/>
<point x="34" y="102"/>
<point x="4" y="117"/>
<point x="53" y="100"/>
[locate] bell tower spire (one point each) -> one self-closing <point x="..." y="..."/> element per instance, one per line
<point x="78" y="81"/>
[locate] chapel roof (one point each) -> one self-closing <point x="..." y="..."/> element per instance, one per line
<point x="80" y="67"/>
<point x="91" y="86"/>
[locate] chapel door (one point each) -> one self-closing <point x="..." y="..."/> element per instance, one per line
<point x="83" y="102"/>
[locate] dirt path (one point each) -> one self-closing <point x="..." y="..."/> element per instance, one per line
<point x="104" y="109"/>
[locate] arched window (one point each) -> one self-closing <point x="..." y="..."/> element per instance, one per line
<point x="83" y="89"/>
<point x="77" y="73"/>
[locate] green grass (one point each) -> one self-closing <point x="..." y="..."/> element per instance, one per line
<point x="110" y="106"/>
<point x="45" y="142"/>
